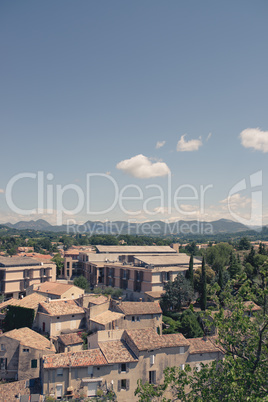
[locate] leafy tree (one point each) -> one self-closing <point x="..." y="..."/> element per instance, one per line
<point x="18" y="317"/>
<point x="219" y="255"/>
<point x="250" y="257"/>
<point x="234" y="267"/>
<point x="262" y="249"/>
<point x="189" y="325"/>
<point x="173" y="325"/>
<point x="203" y="295"/>
<point x="177" y="293"/>
<point x="191" y="248"/>
<point x="244" y="244"/>
<point x="210" y="275"/>
<point x="220" y="278"/>
<point x="59" y="261"/>
<point x="81" y="282"/>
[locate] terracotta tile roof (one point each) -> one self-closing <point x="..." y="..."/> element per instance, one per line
<point x="55" y="288"/>
<point x="30" y="338"/>
<point x="93" y="357"/>
<point x="251" y="306"/>
<point x="106" y="317"/>
<point x="70" y="339"/>
<point x="148" y="339"/>
<point x="30" y="301"/>
<point x="71" y="252"/>
<point x="155" y="293"/>
<point x="37" y="256"/>
<point x="10" y="302"/>
<point x="117" y="352"/>
<point x="129" y="308"/>
<point x="174" y="340"/>
<point x="61" y="307"/>
<point x="203" y="345"/>
<point x="95" y="299"/>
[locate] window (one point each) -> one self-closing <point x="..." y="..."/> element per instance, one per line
<point x="123" y="367"/>
<point x="123" y="385"/>
<point x="152" y="377"/>
<point x="34" y="363"/>
<point x="2" y="347"/>
<point x="60" y="372"/>
<point x="133" y="318"/>
<point x="3" y="364"/>
<point x="25" y="350"/>
<point x="152" y="358"/>
<point x="138" y="318"/>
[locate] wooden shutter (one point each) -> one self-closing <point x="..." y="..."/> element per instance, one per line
<point x="127" y="385"/>
<point x="119" y="385"/>
<point x="127" y="367"/>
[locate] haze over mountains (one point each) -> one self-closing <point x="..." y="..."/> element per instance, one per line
<point x="145" y="228"/>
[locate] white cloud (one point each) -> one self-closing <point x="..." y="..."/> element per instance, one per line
<point x="209" y="136"/>
<point x="141" y="167"/>
<point x="160" y="144"/>
<point x="255" y="138"/>
<point x="236" y="201"/>
<point x="188" y="146"/>
<point x="2" y="191"/>
<point x="161" y="210"/>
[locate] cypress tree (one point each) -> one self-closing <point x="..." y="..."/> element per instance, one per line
<point x="190" y="272"/>
<point x="220" y="279"/>
<point x="203" y="295"/>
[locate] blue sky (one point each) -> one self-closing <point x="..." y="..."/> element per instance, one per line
<point x="86" y="85"/>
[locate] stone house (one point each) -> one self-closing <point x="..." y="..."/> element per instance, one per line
<point x="55" y="317"/>
<point x="21" y="352"/>
<point x="72" y="342"/>
<point x="57" y="290"/>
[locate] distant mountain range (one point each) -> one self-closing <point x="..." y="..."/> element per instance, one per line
<point x="153" y="228"/>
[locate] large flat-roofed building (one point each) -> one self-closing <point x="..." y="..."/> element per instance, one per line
<point x="135" y="249"/>
<point x="18" y="273"/>
<point x="146" y="274"/>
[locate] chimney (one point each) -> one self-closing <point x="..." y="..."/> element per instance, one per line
<point x="120" y="300"/>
